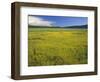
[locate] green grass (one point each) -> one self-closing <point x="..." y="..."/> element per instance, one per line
<point x="56" y="46"/>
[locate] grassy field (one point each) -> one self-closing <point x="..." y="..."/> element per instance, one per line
<point x="56" y="46"/>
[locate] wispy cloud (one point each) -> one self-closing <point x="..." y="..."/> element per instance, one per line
<point x="37" y="21"/>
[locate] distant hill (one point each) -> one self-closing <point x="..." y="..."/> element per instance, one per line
<point x="76" y="27"/>
<point x="43" y="27"/>
<point x="67" y="27"/>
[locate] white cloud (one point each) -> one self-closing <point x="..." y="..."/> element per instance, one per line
<point x="37" y="21"/>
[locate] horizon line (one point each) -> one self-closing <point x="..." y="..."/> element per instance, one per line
<point x="59" y="26"/>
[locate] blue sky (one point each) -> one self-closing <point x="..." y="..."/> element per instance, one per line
<point x="60" y="21"/>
